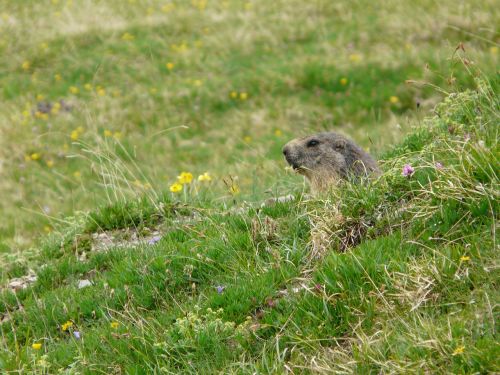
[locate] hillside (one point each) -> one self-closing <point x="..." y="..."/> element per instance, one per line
<point x="399" y="275"/>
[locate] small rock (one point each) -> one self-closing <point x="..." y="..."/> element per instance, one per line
<point x="84" y="283"/>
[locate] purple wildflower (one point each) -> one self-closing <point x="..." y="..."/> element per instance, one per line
<point x="408" y="170"/>
<point x="154" y="240"/>
<point x="77" y="335"/>
<point x="438" y="165"/>
<point x="220" y="288"/>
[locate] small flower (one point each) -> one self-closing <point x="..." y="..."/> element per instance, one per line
<point x="205" y="177"/>
<point x="278" y="133"/>
<point x="394" y="99"/>
<point x="127" y="36"/>
<point x="408" y="170"/>
<point x="87" y="86"/>
<point x="233" y="94"/>
<point x="197" y="82"/>
<point x="175" y="187"/>
<point x="355" y="57"/>
<point x="108" y="133"/>
<point x="247" y="139"/>
<point x="234" y="189"/>
<point x="57" y="77"/>
<point x="114" y="325"/>
<point x="458" y="350"/>
<point x="36" y="346"/>
<point x="154" y="240"/>
<point x="170" y="65"/>
<point x="243" y="96"/>
<point x="464" y="258"/>
<point x="343" y="81"/>
<point x="26" y="65"/>
<point x="77" y="335"/>
<point x="50" y="163"/>
<point x="74" y="90"/>
<point x="35" y="156"/>
<point x="67" y="325"/>
<point x="494" y="50"/>
<point x="77" y="174"/>
<point x="438" y="165"/>
<point x="185" y="178"/>
<point x="167" y="8"/>
<point x="47" y="229"/>
<point x="220" y="288"/>
<point x="74" y="135"/>
<point x="100" y="91"/>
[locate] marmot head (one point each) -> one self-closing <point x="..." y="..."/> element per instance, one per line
<point x="328" y="157"/>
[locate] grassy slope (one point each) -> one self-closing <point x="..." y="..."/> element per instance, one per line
<point x="288" y="56"/>
<point x="415" y="291"/>
<point x="418" y="284"/>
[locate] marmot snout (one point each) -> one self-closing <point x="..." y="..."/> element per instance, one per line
<point x="324" y="158"/>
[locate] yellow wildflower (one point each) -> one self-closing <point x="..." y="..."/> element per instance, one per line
<point x="87" y="86"/>
<point x="74" y="135"/>
<point x="114" y="325"/>
<point x="117" y="135"/>
<point x="26" y="65"/>
<point x="233" y="94"/>
<point x="77" y="174"/>
<point x="101" y="91"/>
<point x="343" y="81"/>
<point x="243" y="96"/>
<point x="494" y="50"/>
<point x="205" y="177"/>
<point x="50" y="163"/>
<point x="247" y="139"/>
<point x="185" y="178"/>
<point x="36" y="346"/>
<point x="355" y="57"/>
<point x="127" y="36"/>
<point x="234" y="189"/>
<point x="175" y="187"/>
<point x="67" y="325"/>
<point x="74" y="90"/>
<point x="464" y="258"/>
<point x="278" y="133"/>
<point x="108" y="133"/>
<point x="26" y="113"/>
<point x="57" y="77"/>
<point x="170" y="65"/>
<point x="394" y="99"/>
<point x="167" y="8"/>
<point x="44" y="46"/>
<point x="47" y="229"/>
<point x="458" y="350"/>
<point x="35" y="156"/>
<point x="197" y="82"/>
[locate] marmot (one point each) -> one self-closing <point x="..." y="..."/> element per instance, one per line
<point x="325" y="158"/>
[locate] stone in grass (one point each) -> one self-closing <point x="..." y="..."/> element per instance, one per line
<point x="84" y="283"/>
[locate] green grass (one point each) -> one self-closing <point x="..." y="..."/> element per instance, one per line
<point x="398" y="275"/>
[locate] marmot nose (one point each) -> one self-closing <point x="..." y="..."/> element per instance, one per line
<point x="285" y="151"/>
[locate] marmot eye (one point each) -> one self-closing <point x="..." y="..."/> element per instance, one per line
<point x="312" y="143"/>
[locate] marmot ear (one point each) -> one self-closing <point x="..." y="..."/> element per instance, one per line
<point x="339" y="144"/>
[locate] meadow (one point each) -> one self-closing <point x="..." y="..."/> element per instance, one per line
<point x="139" y="139"/>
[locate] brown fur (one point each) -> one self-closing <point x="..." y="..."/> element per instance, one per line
<point x="326" y="158"/>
